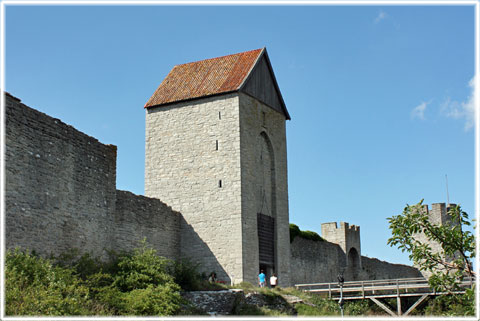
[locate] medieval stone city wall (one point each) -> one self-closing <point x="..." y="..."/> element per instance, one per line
<point x="137" y="217"/>
<point x="60" y="192"/>
<point x="375" y="269"/>
<point x="323" y="261"/>
<point x="314" y="261"/>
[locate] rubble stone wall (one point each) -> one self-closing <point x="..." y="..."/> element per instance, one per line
<point x="60" y="192"/>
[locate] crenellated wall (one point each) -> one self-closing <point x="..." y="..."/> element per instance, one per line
<point x="60" y="192"/>
<point x="348" y="238"/>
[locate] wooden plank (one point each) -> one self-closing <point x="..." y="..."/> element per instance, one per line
<point x="423" y="297"/>
<point x="384" y="307"/>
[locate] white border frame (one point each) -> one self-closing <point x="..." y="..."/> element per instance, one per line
<point x="3" y="4"/>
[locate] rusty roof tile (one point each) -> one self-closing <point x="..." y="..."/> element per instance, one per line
<point x="205" y="78"/>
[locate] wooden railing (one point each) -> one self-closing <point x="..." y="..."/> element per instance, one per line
<point x="376" y="288"/>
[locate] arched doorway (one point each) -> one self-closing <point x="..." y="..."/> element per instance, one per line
<point x="353" y="259"/>
<point x="265" y="203"/>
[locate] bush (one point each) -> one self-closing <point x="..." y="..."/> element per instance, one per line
<point x="294" y="232"/>
<point x="452" y="305"/>
<point x="308" y="235"/>
<point x="34" y="286"/>
<point x="140" y="285"/>
<point x="141" y="269"/>
<point x="153" y="300"/>
<point x="185" y="274"/>
<point x="132" y="284"/>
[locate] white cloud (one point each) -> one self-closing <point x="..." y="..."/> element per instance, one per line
<point x="461" y="110"/>
<point x="381" y="16"/>
<point x="419" y="111"/>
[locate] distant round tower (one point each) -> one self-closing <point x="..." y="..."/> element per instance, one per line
<point x="216" y="151"/>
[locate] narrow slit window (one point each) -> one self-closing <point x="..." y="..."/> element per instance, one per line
<point x="216" y="145"/>
<point x="220" y="183"/>
<point x="263" y="118"/>
<point x="219" y="115"/>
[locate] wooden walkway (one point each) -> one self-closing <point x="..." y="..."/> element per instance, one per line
<point x="378" y="290"/>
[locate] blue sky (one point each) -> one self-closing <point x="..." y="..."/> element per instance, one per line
<point x="379" y="96"/>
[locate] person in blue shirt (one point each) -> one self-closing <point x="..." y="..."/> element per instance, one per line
<point x="261" y="279"/>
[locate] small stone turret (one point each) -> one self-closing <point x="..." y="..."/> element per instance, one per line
<point x="348" y="238"/>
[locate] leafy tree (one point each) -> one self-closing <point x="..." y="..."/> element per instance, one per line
<point x="449" y="262"/>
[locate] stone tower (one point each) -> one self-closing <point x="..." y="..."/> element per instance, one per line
<point x="216" y="152"/>
<point x="348" y="238"/>
<point x="437" y="215"/>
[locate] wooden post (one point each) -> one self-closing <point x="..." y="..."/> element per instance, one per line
<point x="399" y="305"/>
<point x="363" y="290"/>
<point x="329" y="290"/>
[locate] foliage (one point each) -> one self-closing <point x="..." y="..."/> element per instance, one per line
<point x="133" y="284"/>
<point x="185" y="274"/>
<point x="452" y="263"/>
<point x="360" y="307"/>
<point x="141" y="269"/>
<point x="308" y="235"/>
<point x="449" y="305"/>
<point x="34" y="286"/>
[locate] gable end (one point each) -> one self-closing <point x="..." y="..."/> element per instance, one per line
<point x="262" y="85"/>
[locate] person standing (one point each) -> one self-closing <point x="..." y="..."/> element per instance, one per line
<point x="261" y="279"/>
<point x="273" y="281"/>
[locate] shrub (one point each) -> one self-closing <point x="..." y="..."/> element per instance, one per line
<point x="34" y="286"/>
<point x="132" y="284"/>
<point x="185" y="274"/>
<point x="308" y="235"/>
<point x="141" y="269"/>
<point x="452" y="305"/>
<point x="153" y="300"/>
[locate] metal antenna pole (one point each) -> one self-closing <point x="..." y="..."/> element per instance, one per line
<point x="448" y="199"/>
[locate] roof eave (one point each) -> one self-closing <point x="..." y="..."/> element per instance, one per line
<point x="191" y="99"/>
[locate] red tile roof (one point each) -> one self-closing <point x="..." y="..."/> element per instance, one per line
<point x="205" y="78"/>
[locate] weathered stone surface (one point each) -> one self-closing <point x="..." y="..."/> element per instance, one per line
<point x="214" y="302"/>
<point x="184" y="168"/>
<point x="264" y="184"/>
<point x="60" y="184"/>
<point x="318" y="262"/>
<point x="60" y="192"/>
<point x="137" y="217"/>
<point x="203" y="158"/>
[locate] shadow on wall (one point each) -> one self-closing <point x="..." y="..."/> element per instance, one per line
<point x="195" y="249"/>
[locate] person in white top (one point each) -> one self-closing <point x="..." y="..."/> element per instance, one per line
<point x="273" y="281"/>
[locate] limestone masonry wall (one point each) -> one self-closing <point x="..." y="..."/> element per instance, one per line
<point x="192" y="162"/>
<point x="60" y="192"/>
<point x="376" y="269"/>
<point x="138" y="216"/>
<point x="259" y="124"/>
<point x="313" y="261"/>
